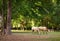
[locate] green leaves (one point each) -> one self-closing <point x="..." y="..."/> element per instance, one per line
<point x="41" y="11"/>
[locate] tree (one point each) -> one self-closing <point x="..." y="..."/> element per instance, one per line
<point x="8" y="17"/>
<point x="2" y="14"/>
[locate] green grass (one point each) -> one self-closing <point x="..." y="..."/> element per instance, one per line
<point x="53" y="36"/>
<point x="21" y="30"/>
<point x="54" y="39"/>
<point x="48" y="39"/>
<point x="29" y="31"/>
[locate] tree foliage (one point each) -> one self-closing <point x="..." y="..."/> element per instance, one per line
<point x="41" y="12"/>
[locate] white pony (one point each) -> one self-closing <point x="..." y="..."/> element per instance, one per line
<point x="44" y="29"/>
<point x="35" y="29"/>
<point x="39" y="29"/>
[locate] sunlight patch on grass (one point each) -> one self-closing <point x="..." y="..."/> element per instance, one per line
<point x="21" y="30"/>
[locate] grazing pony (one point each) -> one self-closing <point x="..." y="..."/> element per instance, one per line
<point x="44" y="29"/>
<point x="35" y="29"/>
<point x="39" y="29"/>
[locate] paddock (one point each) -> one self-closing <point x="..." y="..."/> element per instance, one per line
<point x="20" y="35"/>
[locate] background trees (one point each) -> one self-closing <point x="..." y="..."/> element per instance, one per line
<point x="31" y="12"/>
<point x="41" y="12"/>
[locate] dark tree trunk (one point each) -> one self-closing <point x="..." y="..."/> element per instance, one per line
<point x="2" y="28"/>
<point x="8" y="31"/>
<point x="1" y="21"/>
<point x="2" y="14"/>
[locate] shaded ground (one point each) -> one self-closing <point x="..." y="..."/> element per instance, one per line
<point x="21" y="38"/>
<point x="31" y="37"/>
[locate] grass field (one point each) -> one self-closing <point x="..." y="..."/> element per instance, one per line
<point x="51" y="36"/>
<point x="20" y="35"/>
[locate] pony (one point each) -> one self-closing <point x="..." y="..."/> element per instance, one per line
<point x="40" y="29"/>
<point x="35" y="29"/>
<point x="43" y="29"/>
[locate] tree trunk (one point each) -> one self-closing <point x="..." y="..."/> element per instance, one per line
<point x="2" y="28"/>
<point x="1" y="21"/>
<point x="8" y="31"/>
<point x="2" y="14"/>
